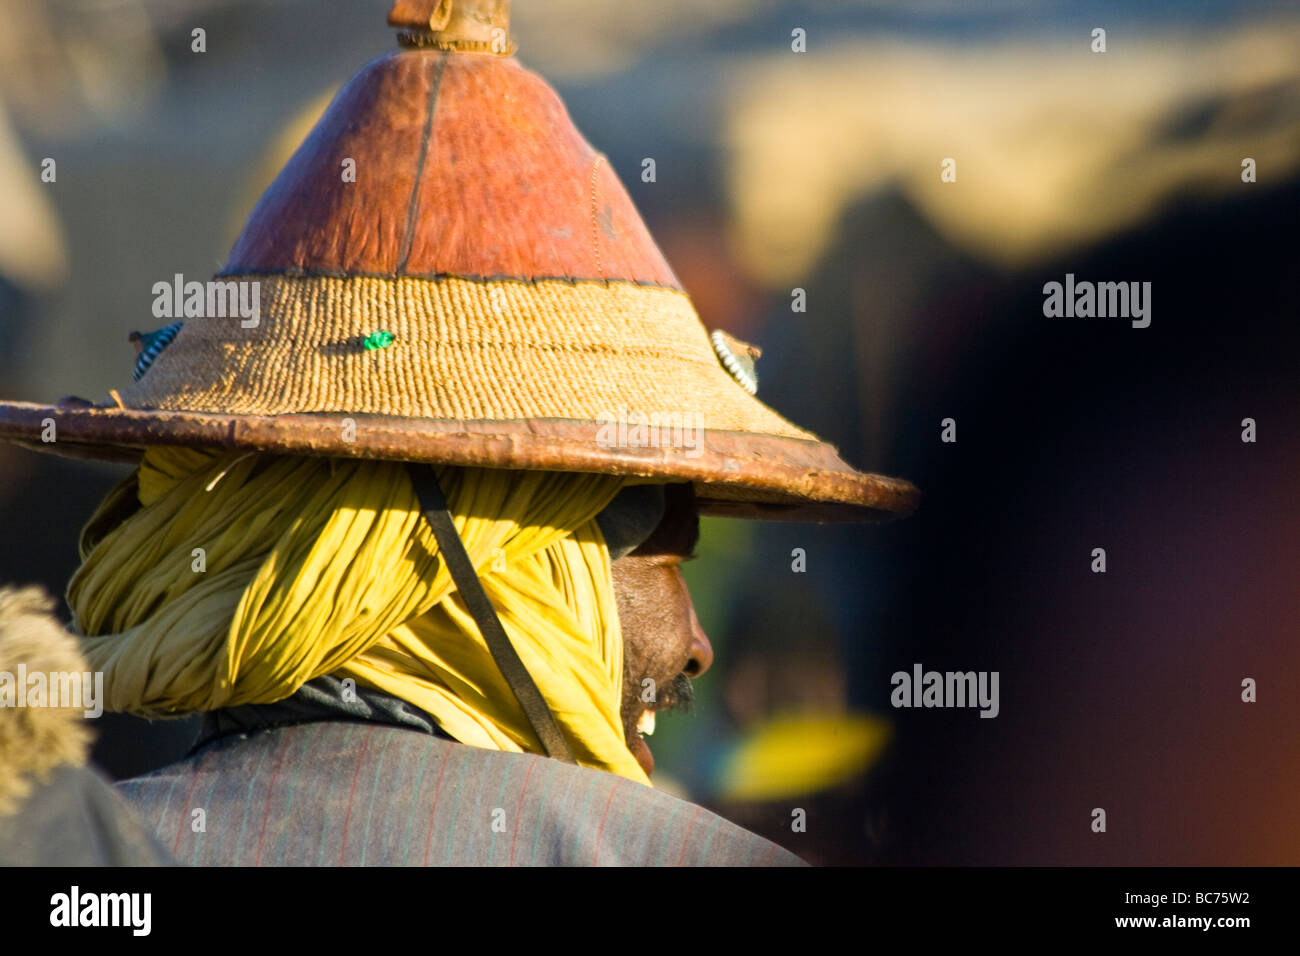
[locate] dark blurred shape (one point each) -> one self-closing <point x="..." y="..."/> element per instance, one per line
<point x="1121" y="690"/>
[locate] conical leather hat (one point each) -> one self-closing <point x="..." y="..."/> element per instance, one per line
<point x="445" y="271"/>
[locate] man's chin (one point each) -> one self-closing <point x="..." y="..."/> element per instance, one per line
<point x="641" y="751"/>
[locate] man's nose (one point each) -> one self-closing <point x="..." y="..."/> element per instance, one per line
<point x="701" y="650"/>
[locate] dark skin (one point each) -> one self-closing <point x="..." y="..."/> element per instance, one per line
<point x="662" y="638"/>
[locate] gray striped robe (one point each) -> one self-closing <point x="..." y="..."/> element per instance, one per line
<point x="378" y="791"/>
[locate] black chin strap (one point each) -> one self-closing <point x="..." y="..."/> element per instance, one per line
<point x="434" y="506"/>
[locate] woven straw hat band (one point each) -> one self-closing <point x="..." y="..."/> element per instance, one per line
<point x="458" y="350"/>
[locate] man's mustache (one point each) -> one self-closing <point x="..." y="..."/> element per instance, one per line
<point x="678" y="695"/>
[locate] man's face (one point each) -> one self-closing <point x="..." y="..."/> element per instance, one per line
<point x="663" y="643"/>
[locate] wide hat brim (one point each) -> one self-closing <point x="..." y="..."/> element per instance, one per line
<point x="734" y="475"/>
<point x="482" y="292"/>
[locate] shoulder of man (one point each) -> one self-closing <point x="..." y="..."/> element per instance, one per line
<point x="335" y="793"/>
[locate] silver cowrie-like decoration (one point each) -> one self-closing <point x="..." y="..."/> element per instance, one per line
<point x="738" y="358"/>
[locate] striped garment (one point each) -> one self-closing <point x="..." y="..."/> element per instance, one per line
<point x="370" y="794"/>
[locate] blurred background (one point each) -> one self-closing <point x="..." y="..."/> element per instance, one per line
<point x="820" y="171"/>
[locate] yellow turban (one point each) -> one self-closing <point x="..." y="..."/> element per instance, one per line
<point x="212" y="579"/>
